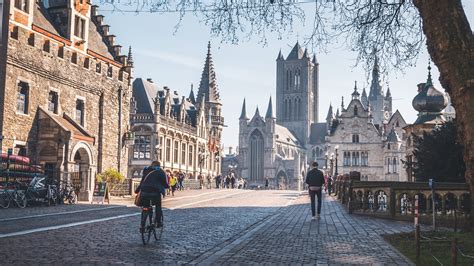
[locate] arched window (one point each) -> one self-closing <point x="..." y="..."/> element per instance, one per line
<point x="394" y="165"/>
<point x="356" y="110"/>
<point x="389" y="162"/>
<point x="290" y="115"/>
<point x="256" y="155"/>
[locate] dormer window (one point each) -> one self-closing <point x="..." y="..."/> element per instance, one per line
<point x="356" y="110"/>
<point x="79" y="27"/>
<point x="22" y="5"/>
<point x="98" y="68"/>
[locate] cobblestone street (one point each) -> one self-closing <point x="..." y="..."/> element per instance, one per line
<point x="201" y="227"/>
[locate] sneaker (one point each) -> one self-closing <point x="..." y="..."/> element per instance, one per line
<point x="318" y="216"/>
<point x="313" y="217"/>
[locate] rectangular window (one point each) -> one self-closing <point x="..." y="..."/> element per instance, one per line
<point x="98" y="67"/>
<point x="74" y="58"/>
<point x="347" y="158"/>
<point x="160" y="149"/>
<point x="22" y="97"/>
<point x="355" y="159"/>
<point x="120" y="75"/>
<point x="31" y="39"/>
<point x="176" y="152"/>
<point x="80" y="112"/>
<point x="109" y="71"/>
<point x="190" y="151"/>
<point x="87" y="63"/>
<point x="142" y="147"/>
<point x="61" y="51"/>
<point x="355" y="138"/>
<point x="20" y="150"/>
<point x="22" y="5"/>
<point x="53" y="102"/>
<point x="14" y="33"/>
<point x="183" y="153"/>
<point x="79" y="26"/>
<point x="46" y="46"/>
<point x="168" y="150"/>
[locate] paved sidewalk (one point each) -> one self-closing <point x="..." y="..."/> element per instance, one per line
<point x="290" y="237"/>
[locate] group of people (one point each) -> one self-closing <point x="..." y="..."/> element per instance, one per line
<point x="229" y="181"/>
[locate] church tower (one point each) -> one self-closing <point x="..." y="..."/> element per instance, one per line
<point x="208" y="95"/>
<point x="297" y="92"/>
<point x="380" y="105"/>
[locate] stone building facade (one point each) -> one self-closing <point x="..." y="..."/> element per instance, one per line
<point x="367" y="136"/>
<point x="65" y="96"/>
<point x="184" y="133"/>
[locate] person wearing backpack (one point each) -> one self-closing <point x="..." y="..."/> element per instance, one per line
<point x="315" y="181"/>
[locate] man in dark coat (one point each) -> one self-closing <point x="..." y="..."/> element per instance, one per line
<point x="315" y="181"/>
<point x="153" y="184"/>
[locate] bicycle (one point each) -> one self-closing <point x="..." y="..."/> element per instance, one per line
<point x="148" y="225"/>
<point x="11" y="193"/>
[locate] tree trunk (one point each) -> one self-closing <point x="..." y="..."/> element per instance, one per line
<point x="450" y="43"/>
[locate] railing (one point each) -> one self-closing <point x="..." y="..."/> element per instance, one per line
<point x="137" y="118"/>
<point x="396" y="200"/>
<point x="218" y="120"/>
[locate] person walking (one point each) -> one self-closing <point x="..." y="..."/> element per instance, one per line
<point x="173" y="183"/>
<point x="329" y="185"/>
<point x="232" y="181"/>
<point x="315" y="181"/>
<point x="266" y="183"/>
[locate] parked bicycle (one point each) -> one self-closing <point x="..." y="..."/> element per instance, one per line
<point x="67" y="193"/>
<point x="42" y="190"/>
<point x="148" y="225"/>
<point x="11" y="193"/>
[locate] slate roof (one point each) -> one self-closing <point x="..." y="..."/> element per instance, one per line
<point x="393" y="136"/>
<point x="318" y="133"/>
<point x="286" y="136"/>
<point x="208" y="84"/>
<point x="96" y="42"/>
<point x="42" y="19"/>
<point x="296" y="53"/>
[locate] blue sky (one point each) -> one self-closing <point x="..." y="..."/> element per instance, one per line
<point x="176" y="59"/>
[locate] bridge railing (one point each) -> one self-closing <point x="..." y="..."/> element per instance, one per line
<point x="396" y="200"/>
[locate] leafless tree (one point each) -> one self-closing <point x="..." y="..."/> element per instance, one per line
<point x="392" y="30"/>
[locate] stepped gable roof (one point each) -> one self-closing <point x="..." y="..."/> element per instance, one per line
<point x="208" y="85"/>
<point x="318" y="133"/>
<point x="296" y="53"/>
<point x="285" y="135"/>
<point x="96" y="41"/>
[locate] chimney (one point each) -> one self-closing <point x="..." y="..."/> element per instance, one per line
<point x="122" y="59"/>
<point x="105" y="29"/>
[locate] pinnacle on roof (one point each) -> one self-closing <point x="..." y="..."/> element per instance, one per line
<point x="130" y="58"/>
<point x="314" y="59"/>
<point x="191" y="97"/>
<point x="243" y="114"/>
<point x="337" y="112"/>
<point x="375" y="88"/>
<point x="280" y="56"/>
<point x="388" y="94"/>
<point x="355" y="94"/>
<point x="269" y="109"/>
<point x="305" y="54"/>
<point x="364" y="93"/>
<point x="342" y="103"/>
<point x="429" y="81"/>
<point x="257" y="112"/>
<point x="296" y="53"/>
<point x="208" y="85"/>
<point x="330" y="115"/>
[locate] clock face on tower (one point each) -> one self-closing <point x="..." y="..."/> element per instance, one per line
<point x="386" y="115"/>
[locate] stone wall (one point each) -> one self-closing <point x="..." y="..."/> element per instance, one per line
<point x="46" y="71"/>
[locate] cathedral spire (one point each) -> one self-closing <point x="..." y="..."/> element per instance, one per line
<point x="243" y="114"/>
<point x="192" y="99"/>
<point x="375" y="88"/>
<point x="130" y="57"/>
<point x="257" y="112"/>
<point x="270" y="109"/>
<point x="208" y="85"/>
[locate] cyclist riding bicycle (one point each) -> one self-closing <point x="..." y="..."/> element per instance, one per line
<point x="152" y="186"/>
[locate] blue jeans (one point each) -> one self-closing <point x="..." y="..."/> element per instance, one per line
<point x="312" y="196"/>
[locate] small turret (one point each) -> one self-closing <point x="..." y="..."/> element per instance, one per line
<point x="269" y="114"/>
<point x="280" y="56"/>
<point x="243" y="114"/>
<point x="191" y="97"/>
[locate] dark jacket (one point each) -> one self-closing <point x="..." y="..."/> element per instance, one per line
<point x="315" y="178"/>
<point x="155" y="183"/>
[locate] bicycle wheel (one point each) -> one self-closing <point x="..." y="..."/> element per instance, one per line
<point x="159" y="231"/>
<point x="145" y="226"/>
<point x="4" y="200"/>
<point x="20" y="199"/>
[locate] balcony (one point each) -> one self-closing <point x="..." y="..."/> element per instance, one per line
<point x="217" y="120"/>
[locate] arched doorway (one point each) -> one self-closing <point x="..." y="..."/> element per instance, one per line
<point x="81" y="172"/>
<point x="256" y="156"/>
<point x="282" y="180"/>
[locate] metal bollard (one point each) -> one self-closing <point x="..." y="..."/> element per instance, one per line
<point x="417" y="242"/>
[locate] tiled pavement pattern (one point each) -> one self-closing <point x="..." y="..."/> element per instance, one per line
<point x="292" y="237"/>
<point x="234" y="227"/>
